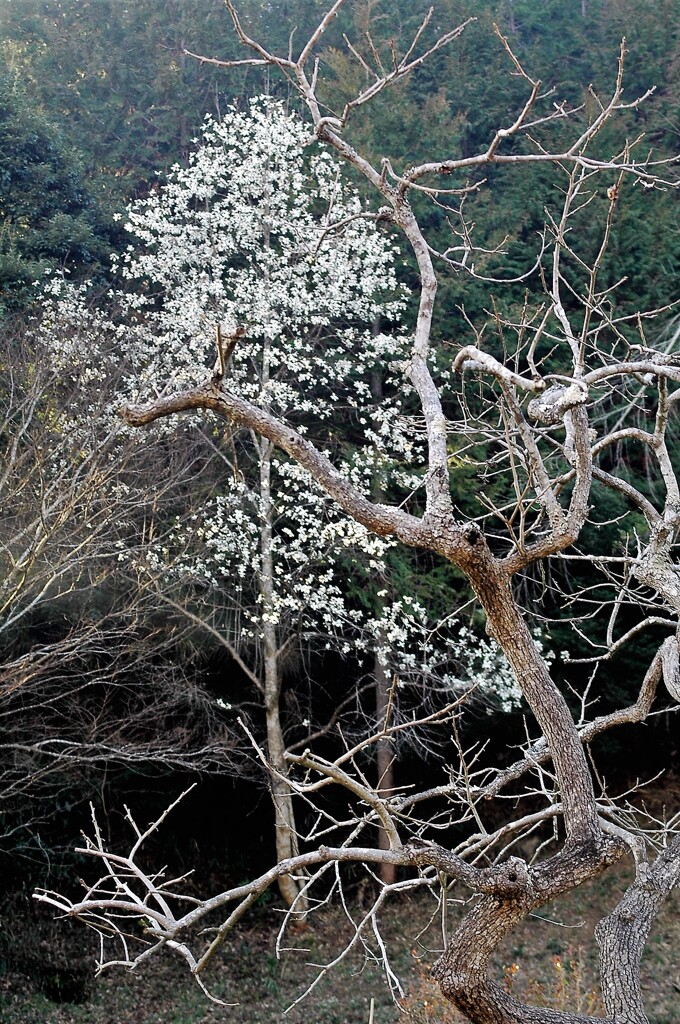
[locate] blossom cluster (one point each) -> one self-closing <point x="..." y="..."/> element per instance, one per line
<point x="258" y="234"/>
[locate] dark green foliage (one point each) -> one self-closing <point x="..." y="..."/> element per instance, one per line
<point x="48" y="215"/>
<point x="128" y="101"/>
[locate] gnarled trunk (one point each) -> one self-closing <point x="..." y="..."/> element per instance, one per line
<point x="462" y="969"/>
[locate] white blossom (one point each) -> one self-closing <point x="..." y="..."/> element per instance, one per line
<point x="255" y="233"/>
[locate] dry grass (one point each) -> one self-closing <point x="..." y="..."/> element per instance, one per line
<point x="550" y="960"/>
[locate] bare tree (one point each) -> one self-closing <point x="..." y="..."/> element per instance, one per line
<point x="551" y="391"/>
<point x="89" y="672"/>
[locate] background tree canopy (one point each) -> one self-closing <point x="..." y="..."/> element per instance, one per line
<point x="99" y="98"/>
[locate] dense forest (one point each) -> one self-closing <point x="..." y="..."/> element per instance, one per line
<point x="183" y="606"/>
<point x="100" y="99"/>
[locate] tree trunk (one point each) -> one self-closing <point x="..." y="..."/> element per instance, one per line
<point x="462" y="969"/>
<point x="384" y="759"/>
<point x="284" y="815"/>
<point x="507" y="627"/>
<point x="385" y="749"/>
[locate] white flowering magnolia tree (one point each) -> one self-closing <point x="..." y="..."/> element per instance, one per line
<point x="260" y="258"/>
<point x="548" y="401"/>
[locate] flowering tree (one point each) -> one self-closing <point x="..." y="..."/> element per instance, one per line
<point x="550" y="397"/>
<point x="261" y="257"/>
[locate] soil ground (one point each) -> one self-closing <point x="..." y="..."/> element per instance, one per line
<point x="551" y="960"/>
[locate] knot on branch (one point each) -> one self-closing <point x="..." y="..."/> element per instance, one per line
<point x="509" y="880"/>
<point x="551" y="406"/>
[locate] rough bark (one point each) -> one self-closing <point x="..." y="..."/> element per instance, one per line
<point x="462" y="970"/>
<point x="622" y="935"/>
